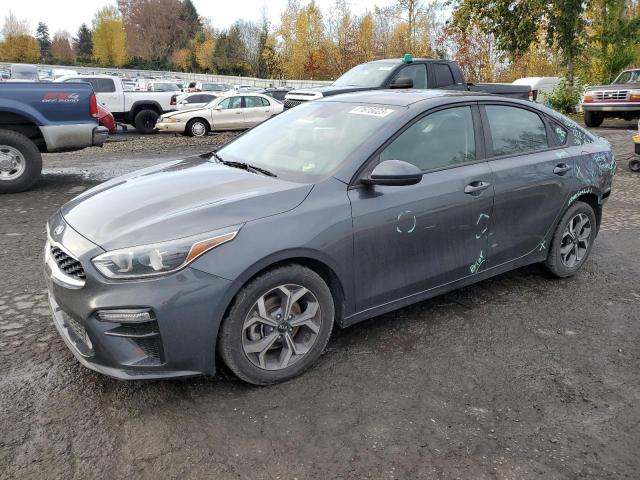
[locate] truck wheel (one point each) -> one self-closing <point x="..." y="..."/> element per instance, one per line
<point x="20" y="162"/>
<point x="145" y="121"/>
<point x="593" y="119"/>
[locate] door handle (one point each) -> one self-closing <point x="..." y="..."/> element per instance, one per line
<point x="475" y="188"/>
<point x="561" y="169"/>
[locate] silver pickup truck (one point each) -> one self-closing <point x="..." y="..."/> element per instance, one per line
<point x="621" y="99"/>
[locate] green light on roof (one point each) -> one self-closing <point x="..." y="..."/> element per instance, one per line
<point x="408" y="58"/>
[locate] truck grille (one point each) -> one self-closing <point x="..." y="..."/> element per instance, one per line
<point x="604" y="95"/>
<point x="292" y="103"/>
<point x="68" y="264"/>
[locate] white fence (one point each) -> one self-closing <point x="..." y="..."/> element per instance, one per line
<point x="133" y="73"/>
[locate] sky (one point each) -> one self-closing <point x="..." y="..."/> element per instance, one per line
<point x="69" y="14"/>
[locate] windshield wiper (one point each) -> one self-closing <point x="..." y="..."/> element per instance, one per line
<point x="243" y="165"/>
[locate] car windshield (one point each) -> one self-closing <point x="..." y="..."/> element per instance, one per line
<point x="214" y="87"/>
<point x="165" y="87"/>
<point x="24" y="75"/>
<point x="366" y="75"/>
<point x="310" y="142"/>
<point x="630" y="76"/>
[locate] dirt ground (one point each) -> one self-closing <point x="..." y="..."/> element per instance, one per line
<point x="519" y="377"/>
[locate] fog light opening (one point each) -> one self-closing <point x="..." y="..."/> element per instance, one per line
<point x="126" y="316"/>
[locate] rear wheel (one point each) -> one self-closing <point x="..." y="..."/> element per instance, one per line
<point x="197" y="128"/>
<point x="593" y="119"/>
<point x="145" y="121"/>
<point x="572" y="240"/>
<point x="634" y="165"/>
<point x="20" y="162"/>
<point x="278" y="325"/>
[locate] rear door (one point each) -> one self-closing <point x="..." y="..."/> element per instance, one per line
<point x="534" y="175"/>
<point x="106" y="92"/>
<point x="229" y="115"/>
<point x="256" y="110"/>
<point x="410" y="239"/>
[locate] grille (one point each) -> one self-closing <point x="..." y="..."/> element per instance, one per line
<point x="292" y="103"/>
<point x="68" y="264"/>
<point x="610" y="95"/>
<point x="151" y="348"/>
<point x="77" y="329"/>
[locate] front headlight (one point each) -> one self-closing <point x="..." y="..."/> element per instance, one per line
<point x="169" y="120"/>
<point x="158" y="259"/>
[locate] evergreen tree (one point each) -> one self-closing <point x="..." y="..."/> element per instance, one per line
<point x="83" y="43"/>
<point x="42" y="35"/>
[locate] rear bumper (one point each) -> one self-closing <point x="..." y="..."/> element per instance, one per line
<point x="100" y="135"/>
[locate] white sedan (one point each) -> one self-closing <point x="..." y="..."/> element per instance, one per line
<point x="235" y="112"/>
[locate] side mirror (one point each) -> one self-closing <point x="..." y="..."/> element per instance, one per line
<point x="394" y="173"/>
<point x="402" y="82"/>
<point x="218" y="107"/>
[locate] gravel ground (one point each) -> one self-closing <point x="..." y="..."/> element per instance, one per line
<point x="519" y="377"/>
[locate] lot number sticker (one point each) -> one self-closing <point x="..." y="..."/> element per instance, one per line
<point x="371" y="111"/>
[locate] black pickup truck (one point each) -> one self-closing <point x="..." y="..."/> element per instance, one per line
<point x="405" y="73"/>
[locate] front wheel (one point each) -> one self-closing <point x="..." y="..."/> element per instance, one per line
<point x="572" y="240"/>
<point x="20" y="162"/>
<point x="197" y="128"/>
<point x="593" y="119"/>
<point x="278" y="326"/>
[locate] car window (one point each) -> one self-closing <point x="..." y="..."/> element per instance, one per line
<point x="231" y="103"/>
<point x="252" y="102"/>
<point x="515" y="130"/>
<point x="265" y="102"/>
<point x="417" y="73"/>
<point x="100" y="85"/>
<point x="440" y="139"/>
<point x="443" y="74"/>
<point x="561" y="133"/>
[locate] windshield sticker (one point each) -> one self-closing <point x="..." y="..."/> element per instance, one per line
<point x="371" y="111"/>
<point x="384" y="69"/>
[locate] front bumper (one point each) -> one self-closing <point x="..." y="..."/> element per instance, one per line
<point x="171" y="127"/>
<point x="179" y="341"/>
<point x="611" y="107"/>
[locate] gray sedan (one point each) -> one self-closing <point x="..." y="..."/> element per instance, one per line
<point x="329" y="214"/>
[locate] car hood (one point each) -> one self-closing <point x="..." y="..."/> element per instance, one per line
<point x="186" y="110"/>
<point x="328" y="90"/>
<point x="177" y="199"/>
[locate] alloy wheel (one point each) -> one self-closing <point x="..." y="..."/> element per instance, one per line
<point x="575" y="240"/>
<point x="12" y="163"/>
<point x="281" y="327"/>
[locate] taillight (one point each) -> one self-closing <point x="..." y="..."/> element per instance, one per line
<point x="173" y="100"/>
<point x="93" y="105"/>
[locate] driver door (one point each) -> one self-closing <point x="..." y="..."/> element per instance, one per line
<point x="229" y="114"/>
<point x="409" y="239"/>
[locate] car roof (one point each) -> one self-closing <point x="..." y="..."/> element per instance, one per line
<point x="402" y="98"/>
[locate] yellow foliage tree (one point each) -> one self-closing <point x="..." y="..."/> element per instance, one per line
<point x="365" y="39"/>
<point x="204" y="53"/>
<point x="20" y="48"/>
<point x="109" y="39"/>
<point x="181" y="59"/>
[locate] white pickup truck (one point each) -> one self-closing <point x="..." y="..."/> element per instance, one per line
<point x="140" y="109"/>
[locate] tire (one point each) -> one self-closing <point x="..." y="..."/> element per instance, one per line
<point x="566" y="255"/>
<point x="197" y="128"/>
<point x="145" y="121"/>
<point x="20" y="162"/>
<point x="634" y="165"/>
<point x="593" y="119"/>
<point x="242" y="338"/>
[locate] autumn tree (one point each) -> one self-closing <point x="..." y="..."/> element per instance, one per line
<point x="61" y="49"/>
<point x="412" y="9"/>
<point x="365" y="46"/>
<point x="83" y="43"/>
<point x="17" y="44"/>
<point x="156" y="28"/>
<point x="42" y="36"/>
<point x="109" y="39"/>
